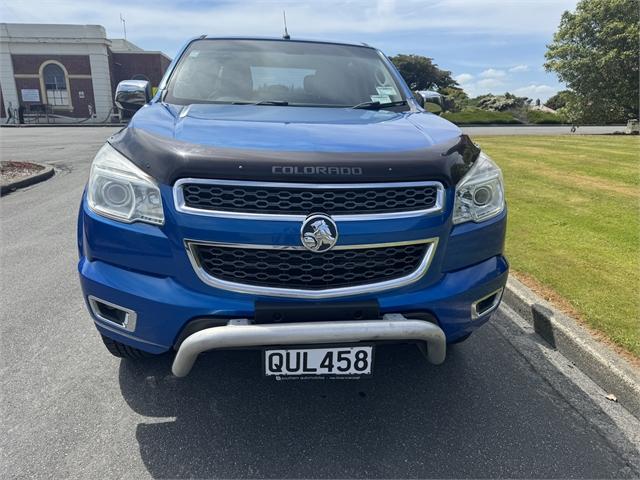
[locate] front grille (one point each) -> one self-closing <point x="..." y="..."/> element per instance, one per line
<point x="302" y="269"/>
<point x="301" y="199"/>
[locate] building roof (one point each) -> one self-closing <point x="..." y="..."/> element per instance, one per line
<point x="67" y="33"/>
<point x="64" y="33"/>
<point x="120" y="45"/>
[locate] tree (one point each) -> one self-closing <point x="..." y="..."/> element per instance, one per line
<point x="559" y="100"/>
<point x="421" y="73"/>
<point x="595" y="52"/>
<point x="455" y="99"/>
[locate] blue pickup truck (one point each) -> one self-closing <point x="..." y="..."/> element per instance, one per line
<point x="292" y="197"/>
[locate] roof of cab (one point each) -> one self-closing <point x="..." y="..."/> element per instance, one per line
<point x="280" y="39"/>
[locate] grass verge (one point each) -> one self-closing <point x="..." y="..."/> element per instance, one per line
<point x="574" y="223"/>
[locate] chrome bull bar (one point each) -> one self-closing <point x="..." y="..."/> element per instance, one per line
<point x="239" y="333"/>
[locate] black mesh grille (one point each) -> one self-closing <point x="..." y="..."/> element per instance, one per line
<point x="302" y="201"/>
<point x="302" y="269"/>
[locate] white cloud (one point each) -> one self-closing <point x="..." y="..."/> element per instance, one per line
<point x="181" y="20"/>
<point x="464" y="78"/>
<point x="497" y="82"/>
<point x="166" y="24"/>
<point x="481" y="86"/>
<point x="543" y="92"/>
<point x="489" y="83"/>
<point x="493" y="73"/>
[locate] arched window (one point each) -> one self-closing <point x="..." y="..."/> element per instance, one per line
<point x="55" y="84"/>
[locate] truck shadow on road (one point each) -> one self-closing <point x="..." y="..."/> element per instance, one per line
<point x="479" y="414"/>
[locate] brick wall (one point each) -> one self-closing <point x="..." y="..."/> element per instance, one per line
<point x="30" y="83"/>
<point x="75" y="64"/>
<point x="81" y="105"/>
<point x="27" y="68"/>
<point x="125" y="66"/>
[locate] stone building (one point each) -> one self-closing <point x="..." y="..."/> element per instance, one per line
<point x="68" y="72"/>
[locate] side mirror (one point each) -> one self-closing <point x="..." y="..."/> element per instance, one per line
<point x="430" y="101"/>
<point x="131" y="95"/>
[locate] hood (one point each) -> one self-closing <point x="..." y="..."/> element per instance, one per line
<point x="248" y="141"/>
<point x="297" y="128"/>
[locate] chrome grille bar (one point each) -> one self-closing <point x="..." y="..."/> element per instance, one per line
<point x="401" y="212"/>
<point x="414" y="276"/>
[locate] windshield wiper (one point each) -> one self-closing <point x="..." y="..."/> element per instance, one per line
<point x="377" y="105"/>
<point x="279" y="103"/>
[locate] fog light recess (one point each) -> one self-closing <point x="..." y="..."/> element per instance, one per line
<point x="113" y="314"/>
<point x="487" y="304"/>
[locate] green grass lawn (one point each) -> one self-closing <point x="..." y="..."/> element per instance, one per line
<point x="574" y="223"/>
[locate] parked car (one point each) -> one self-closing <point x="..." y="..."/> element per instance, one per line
<point x="289" y="196"/>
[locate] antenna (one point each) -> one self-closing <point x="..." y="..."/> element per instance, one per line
<point x="124" y="26"/>
<point x="286" y="35"/>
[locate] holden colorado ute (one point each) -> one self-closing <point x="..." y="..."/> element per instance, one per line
<point x="292" y="197"/>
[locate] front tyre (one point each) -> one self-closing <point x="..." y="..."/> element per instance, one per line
<point x="121" y="350"/>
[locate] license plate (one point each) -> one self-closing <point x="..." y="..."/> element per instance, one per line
<point x="344" y="361"/>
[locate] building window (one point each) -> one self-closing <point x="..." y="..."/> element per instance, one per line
<point x="55" y="84"/>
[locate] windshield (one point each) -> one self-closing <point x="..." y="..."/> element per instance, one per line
<point x="281" y="73"/>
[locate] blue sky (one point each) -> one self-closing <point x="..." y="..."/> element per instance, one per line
<point x="491" y="46"/>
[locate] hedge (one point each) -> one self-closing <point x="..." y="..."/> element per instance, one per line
<point x="480" y="117"/>
<point x="538" y="117"/>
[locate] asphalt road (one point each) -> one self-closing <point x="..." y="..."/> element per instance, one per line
<point x="541" y="130"/>
<point x="502" y="405"/>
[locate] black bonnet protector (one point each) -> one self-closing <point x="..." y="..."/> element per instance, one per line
<point x="168" y="160"/>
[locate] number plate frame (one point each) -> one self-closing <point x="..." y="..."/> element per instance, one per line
<point x="314" y="375"/>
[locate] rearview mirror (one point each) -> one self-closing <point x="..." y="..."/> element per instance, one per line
<point x="131" y="95"/>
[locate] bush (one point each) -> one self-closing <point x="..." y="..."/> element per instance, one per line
<point x="468" y="117"/>
<point x="455" y="99"/>
<point x="500" y="103"/>
<point x="544" y="118"/>
<point x="432" y="107"/>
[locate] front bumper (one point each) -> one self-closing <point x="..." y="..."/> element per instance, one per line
<point x="164" y="307"/>
<point x="240" y="333"/>
<point x="145" y="270"/>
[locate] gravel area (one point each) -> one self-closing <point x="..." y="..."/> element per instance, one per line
<point x="12" y="171"/>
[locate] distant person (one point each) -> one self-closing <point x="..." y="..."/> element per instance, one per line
<point x="10" y="114"/>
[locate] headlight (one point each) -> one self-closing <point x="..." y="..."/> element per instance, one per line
<point x="120" y="190"/>
<point x="480" y="193"/>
